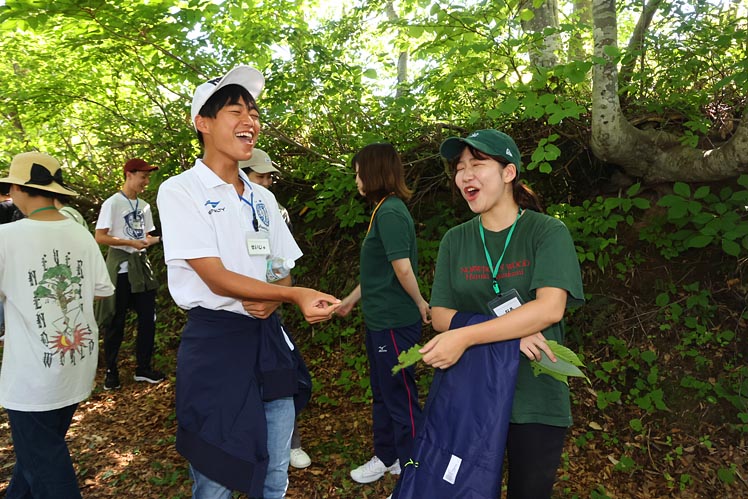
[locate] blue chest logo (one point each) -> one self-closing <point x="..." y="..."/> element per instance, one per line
<point x="214" y="206"/>
<point x="262" y="213"/>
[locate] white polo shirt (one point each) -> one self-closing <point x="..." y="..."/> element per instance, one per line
<point x="202" y="216"/>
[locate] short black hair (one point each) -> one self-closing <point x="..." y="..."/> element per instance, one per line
<point x="34" y="193"/>
<point x="226" y="96"/>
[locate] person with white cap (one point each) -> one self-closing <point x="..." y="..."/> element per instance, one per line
<point x="261" y="170"/>
<point x="51" y="270"/>
<point x="125" y="224"/>
<point x="236" y="370"/>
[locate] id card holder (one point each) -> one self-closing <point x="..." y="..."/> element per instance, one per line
<point x="505" y="302"/>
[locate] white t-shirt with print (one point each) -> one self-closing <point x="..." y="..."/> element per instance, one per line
<point x="125" y="218"/>
<point x="49" y="275"/>
<point x="202" y="216"/>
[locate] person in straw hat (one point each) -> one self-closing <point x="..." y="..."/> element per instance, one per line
<point x="51" y="270"/>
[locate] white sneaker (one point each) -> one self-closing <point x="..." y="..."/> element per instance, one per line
<point x="374" y="470"/>
<point x="300" y="459"/>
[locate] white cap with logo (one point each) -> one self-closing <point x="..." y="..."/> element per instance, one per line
<point x="246" y="76"/>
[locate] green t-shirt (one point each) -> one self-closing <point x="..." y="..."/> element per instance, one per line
<point x="392" y="236"/>
<point x="540" y="254"/>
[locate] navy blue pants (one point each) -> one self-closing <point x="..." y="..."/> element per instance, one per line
<point x="533" y="455"/>
<point x="44" y="469"/>
<point x="144" y="305"/>
<point x="396" y="414"/>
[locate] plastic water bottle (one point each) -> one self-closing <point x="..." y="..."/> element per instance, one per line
<point x="278" y="268"/>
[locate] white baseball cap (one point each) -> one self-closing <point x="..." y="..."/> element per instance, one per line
<point x="246" y="76"/>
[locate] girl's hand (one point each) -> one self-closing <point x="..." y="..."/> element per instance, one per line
<point x="345" y="307"/>
<point x="532" y="345"/>
<point x="444" y="350"/>
<point x="425" y="309"/>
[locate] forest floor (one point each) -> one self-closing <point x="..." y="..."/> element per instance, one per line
<point x="123" y="445"/>
<point x="122" y="442"/>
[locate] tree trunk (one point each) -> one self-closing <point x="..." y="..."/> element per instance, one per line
<point x="546" y="16"/>
<point x="635" y="51"/>
<point x="402" y="60"/>
<point x="655" y="156"/>
<point x="583" y="16"/>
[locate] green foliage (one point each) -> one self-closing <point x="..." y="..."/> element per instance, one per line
<point x="701" y="218"/>
<point x="595" y="224"/>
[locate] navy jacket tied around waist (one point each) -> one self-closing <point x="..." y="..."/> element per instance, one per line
<point x="227" y="365"/>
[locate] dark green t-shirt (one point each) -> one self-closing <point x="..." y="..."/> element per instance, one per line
<point x="540" y="254"/>
<point x="392" y="236"/>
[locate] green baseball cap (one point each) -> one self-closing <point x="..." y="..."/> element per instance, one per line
<point x="489" y="141"/>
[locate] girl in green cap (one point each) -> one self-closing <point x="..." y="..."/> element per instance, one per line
<point x="518" y="267"/>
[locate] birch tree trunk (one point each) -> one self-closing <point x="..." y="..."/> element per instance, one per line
<point x="582" y="15"/>
<point x="546" y="16"/>
<point x="402" y="59"/>
<point x="654" y="156"/>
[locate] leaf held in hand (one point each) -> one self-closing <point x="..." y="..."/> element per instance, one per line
<point x="566" y="364"/>
<point x="408" y="358"/>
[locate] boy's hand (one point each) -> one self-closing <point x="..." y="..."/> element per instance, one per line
<point x="260" y="309"/>
<point x="315" y="305"/>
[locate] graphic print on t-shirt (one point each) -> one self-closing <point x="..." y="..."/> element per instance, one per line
<point x="59" y="310"/>
<point x="482" y="272"/>
<point x="135" y="224"/>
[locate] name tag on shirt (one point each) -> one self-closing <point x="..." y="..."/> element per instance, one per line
<point x="258" y="246"/>
<point x="505" y="302"/>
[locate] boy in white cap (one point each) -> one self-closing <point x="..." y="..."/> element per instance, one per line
<point x="51" y="270"/>
<point x="236" y="370"/>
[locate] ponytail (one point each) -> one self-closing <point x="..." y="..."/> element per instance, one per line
<point x="525" y="197"/>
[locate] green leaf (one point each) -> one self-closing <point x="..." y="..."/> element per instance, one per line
<point x="546" y="99"/>
<point x="682" y="189"/>
<point x="565" y="365"/>
<point x="526" y="15"/>
<point x="371" y="74"/>
<point x="611" y="51"/>
<point x="699" y="241"/>
<point x="730" y="247"/>
<point x="408" y="358"/>
<point x="662" y="299"/>
<point x="726" y="475"/>
<point x="634" y="189"/>
<point x="701" y="192"/>
<point x="648" y="356"/>
<point x="641" y="203"/>
<point x="509" y="105"/>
